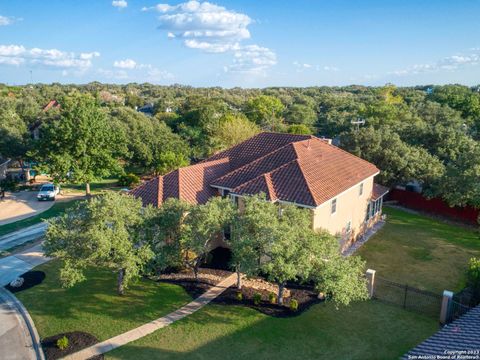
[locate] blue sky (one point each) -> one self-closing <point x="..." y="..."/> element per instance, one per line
<point x="240" y="43"/>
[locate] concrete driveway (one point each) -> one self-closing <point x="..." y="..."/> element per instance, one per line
<point x="20" y="205"/>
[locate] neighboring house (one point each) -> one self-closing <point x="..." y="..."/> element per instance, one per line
<point x="336" y="186"/>
<point x="35" y="127"/>
<point x="458" y="340"/>
<point x="147" y="109"/>
<point x="3" y="168"/>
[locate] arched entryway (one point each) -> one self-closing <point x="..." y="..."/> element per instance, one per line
<point x="219" y="258"/>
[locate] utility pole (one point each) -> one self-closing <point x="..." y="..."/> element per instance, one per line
<point x="358" y="122"/>
<point x="273" y="120"/>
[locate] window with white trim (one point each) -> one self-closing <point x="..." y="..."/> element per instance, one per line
<point x="360" y="190"/>
<point x="333" y="209"/>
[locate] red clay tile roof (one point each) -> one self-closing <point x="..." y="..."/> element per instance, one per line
<point x="379" y="191"/>
<point x="51" y="103"/>
<point x="256" y="147"/>
<point x="294" y="168"/>
<point x="190" y="184"/>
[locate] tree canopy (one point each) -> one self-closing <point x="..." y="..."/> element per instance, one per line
<point x="105" y="231"/>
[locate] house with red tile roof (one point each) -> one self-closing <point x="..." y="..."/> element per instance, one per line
<point x="35" y="127"/>
<point x="336" y="186"/>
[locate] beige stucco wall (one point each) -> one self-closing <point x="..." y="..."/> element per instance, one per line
<point x="350" y="207"/>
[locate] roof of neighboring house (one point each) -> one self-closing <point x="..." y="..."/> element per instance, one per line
<point x="51" y="104"/>
<point x="379" y="191"/>
<point x="301" y="169"/>
<point x="462" y="334"/>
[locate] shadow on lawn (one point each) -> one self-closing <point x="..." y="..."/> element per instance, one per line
<point x="144" y="300"/>
<point x="356" y="332"/>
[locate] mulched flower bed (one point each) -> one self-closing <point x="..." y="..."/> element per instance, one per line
<point x="305" y="297"/>
<point x="31" y="279"/>
<point x="192" y="287"/>
<point x="77" y="341"/>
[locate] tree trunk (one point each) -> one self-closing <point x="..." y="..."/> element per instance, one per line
<point x="120" y="288"/>
<point x="239" y="278"/>
<point x="87" y="189"/>
<point x="195" y="269"/>
<point x="281" y="287"/>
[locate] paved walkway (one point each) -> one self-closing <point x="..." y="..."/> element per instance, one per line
<point x="154" y="325"/>
<point x="22" y="236"/>
<point x="368" y="234"/>
<point x="13" y="266"/>
<point x="19" y="339"/>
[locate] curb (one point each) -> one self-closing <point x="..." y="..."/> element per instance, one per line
<point x="22" y="311"/>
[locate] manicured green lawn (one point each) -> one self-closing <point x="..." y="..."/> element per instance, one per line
<point x="95" y="187"/>
<point x="93" y="305"/>
<point x="58" y="208"/>
<point x="366" y="330"/>
<point x="420" y="251"/>
<point x="409" y="249"/>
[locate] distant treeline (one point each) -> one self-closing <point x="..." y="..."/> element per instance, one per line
<point x="427" y="134"/>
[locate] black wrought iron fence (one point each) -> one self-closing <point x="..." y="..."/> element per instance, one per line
<point x="460" y="303"/>
<point x="407" y="297"/>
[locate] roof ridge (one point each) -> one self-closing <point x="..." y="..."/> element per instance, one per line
<point x="179" y="182"/>
<point x="271" y="188"/>
<point x="159" y="191"/>
<point x="346" y="152"/>
<point x="255" y="161"/>
<point x="304" y="177"/>
<point x="268" y="154"/>
<point x="269" y="172"/>
<point x="257" y="135"/>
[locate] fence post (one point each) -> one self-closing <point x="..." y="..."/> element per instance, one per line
<point x="444" y="311"/>
<point x="370" y="282"/>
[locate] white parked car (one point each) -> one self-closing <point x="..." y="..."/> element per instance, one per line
<point x="48" y="192"/>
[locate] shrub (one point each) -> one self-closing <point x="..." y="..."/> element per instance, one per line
<point x="8" y="184"/>
<point x="293" y="305"/>
<point x="62" y="343"/>
<point x="257" y="297"/>
<point x="473" y="278"/>
<point x="272" y="298"/>
<point x="128" y="180"/>
<point x="239" y="296"/>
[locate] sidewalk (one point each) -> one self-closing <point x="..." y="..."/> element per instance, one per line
<point x="13" y="266"/>
<point x="22" y="236"/>
<point x="154" y="325"/>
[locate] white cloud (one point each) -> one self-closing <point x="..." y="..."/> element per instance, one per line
<point x="18" y="55"/>
<point x="449" y="63"/>
<point x="204" y="26"/>
<point x="113" y="74"/>
<point x="306" y="66"/>
<point x="331" y="68"/>
<point x="301" y="66"/>
<point x="130" y="69"/>
<point x="125" y="64"/>
<point x="5" y="20"/>
<point x="119" y="3"/>
<point x="252" y="59"/>
<point x="212" y="28"/>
